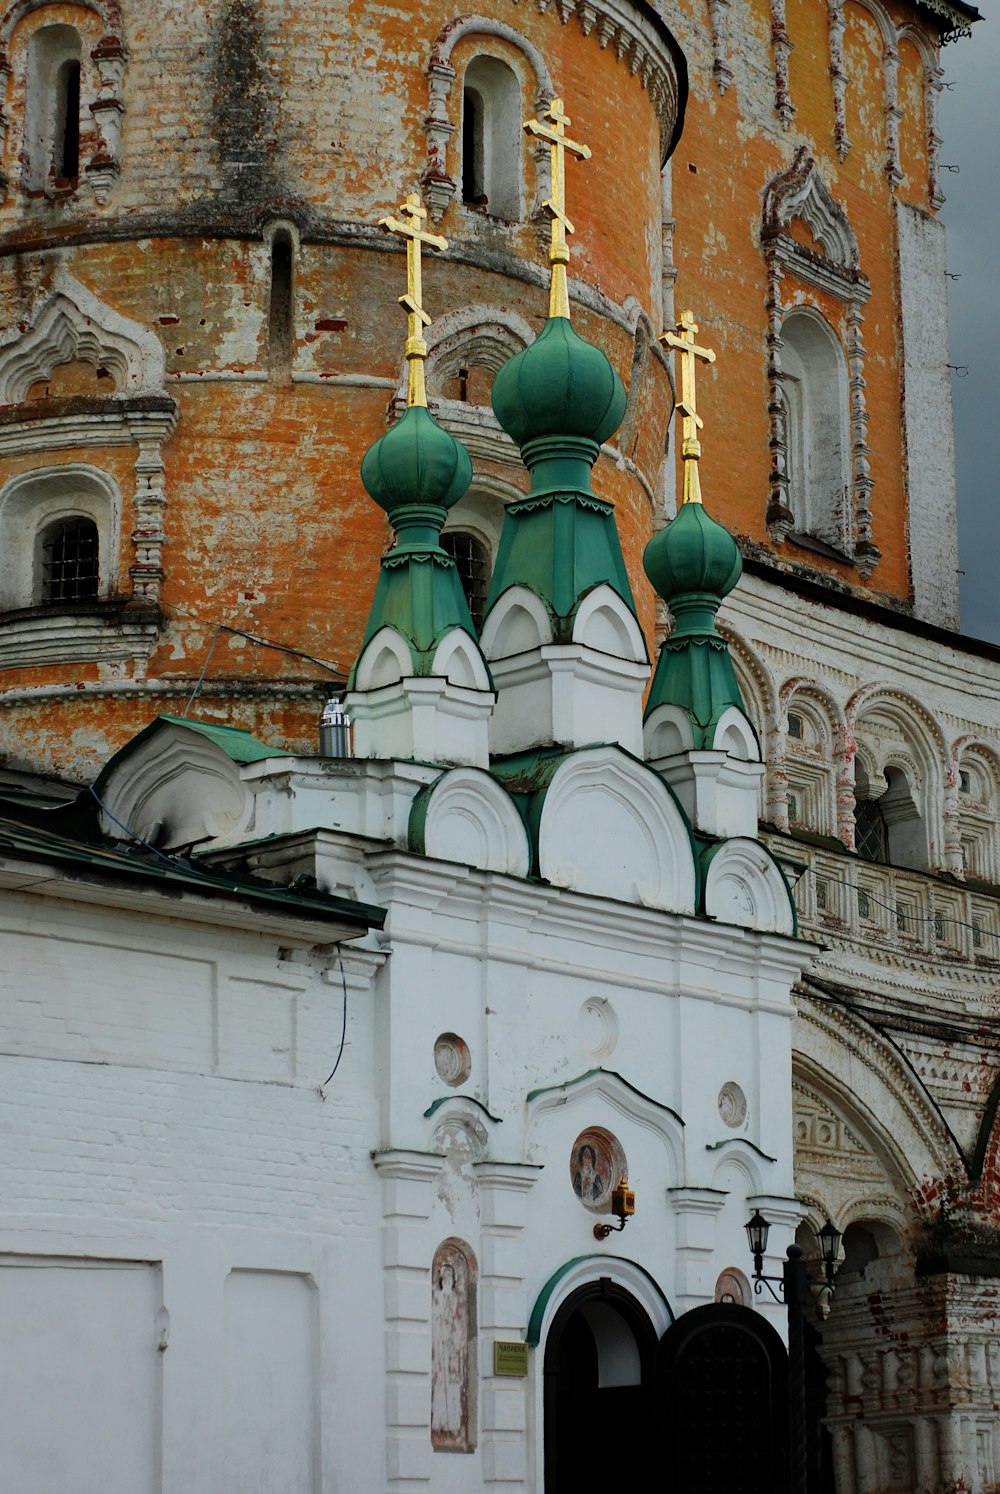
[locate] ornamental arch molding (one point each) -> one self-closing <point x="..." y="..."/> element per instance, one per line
<point x="70" y="325"/>
<point x="848" y="1064"/>
<point x="933" y="84"/>
<point x="763" y="707"/>
<point x="833" y="267"/>
<point x="108" y="10"/>
<point x="440" y="186"/>
<point x="74" y="326"/>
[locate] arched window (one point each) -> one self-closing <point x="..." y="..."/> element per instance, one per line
<point x="814" y="398"/>
<point x="52" y="110"/>
<point x="68" y="562"/>
<point x="472" y="559"/>
<point x="57" y="537"/>
<point x="491" y="138"/>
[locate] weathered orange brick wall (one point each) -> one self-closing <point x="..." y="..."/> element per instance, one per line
<point x="732" y="146"/>
<point x="235" y="119"/>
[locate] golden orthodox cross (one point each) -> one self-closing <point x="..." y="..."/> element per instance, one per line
<point x="683" y="340"/>
<point x="409" y="228"/>
<point x="555" y="206"/>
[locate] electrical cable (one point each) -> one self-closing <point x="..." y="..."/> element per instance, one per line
<point x="343" y="1029"/>
<point x="271" y="643"/>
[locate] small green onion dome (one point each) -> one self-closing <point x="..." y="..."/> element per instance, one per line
<point x="692" y="554"/>
<point x="560" y="386"/>
<point x="416" y="463"/>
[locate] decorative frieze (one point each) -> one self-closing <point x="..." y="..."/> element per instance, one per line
<point x="718" y="11"/>
<point x="108" y="110"/>
<point x="781" y="44"/>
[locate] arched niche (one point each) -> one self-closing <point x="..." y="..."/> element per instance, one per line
<point x="491" y="138"/>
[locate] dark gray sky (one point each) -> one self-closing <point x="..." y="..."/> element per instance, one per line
<point x="970" y="123"/>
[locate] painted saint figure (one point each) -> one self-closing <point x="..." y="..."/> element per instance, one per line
<point x="453" y="1332"/>
<point x="588" y="1184"/>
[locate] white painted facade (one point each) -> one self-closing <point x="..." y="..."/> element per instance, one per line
<point x="239" y="1253"/>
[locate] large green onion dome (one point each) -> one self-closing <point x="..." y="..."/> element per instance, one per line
<point x="560" y="386"/>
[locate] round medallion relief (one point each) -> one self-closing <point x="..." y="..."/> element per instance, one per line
<point x="452" y="1059"/>
<point x="597" y="1165"/>
<point x="732" y="1105"/>
<point x="597" y="1026"/>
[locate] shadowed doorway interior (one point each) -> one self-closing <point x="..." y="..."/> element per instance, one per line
<point x="599" y="1359"/>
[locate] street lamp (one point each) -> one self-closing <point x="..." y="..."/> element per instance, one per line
<point x="794" y="1290"/>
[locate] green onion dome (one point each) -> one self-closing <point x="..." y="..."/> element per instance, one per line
<point x="559" y="386"/>
<point x="416" y="463"/>
<point x="692" y="554"/>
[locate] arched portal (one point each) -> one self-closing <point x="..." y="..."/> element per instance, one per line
<point x="599" y="1359"/>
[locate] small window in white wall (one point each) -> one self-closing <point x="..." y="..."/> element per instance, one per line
<point x="814" y="395"/>
<point x="52" y="110"/>
<point x="58" y="534"/>
<point x="491" y="138"/>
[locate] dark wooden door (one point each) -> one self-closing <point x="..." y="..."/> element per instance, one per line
<point x="721" y="1379"/>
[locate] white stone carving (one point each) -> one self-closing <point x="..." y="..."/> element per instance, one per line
<point x="439" y="185"/>
<point x="800" y="192"/>
<point x="635" y="39"/>
<point x="175" y="788"/>
<point x="74" y="326"/>
<point x="781" y="45"/>
<point x="718" y="11"/>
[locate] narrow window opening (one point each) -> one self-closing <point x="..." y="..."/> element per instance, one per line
<point x="473" y="563"/>
<point x="70" y="561"/>
<point x="463" y="388"/>
<point x="473" y="131"/>
<point x="67" y="132"/>
<point x="51" y="149"/>
<point x="281" y="313"/>
<point x="795" y="726"/>
<point x="492" y="146"/>
<point x="814" y="403"/>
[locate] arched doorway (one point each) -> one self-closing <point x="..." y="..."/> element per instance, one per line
<point x="599" y="1360"/>
<point x="722" y="1388"/>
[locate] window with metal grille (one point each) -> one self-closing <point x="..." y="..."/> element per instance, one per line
<point x="870" y="837"/>
<point x="70" y="561"/>
<point x="473" y="562"/>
